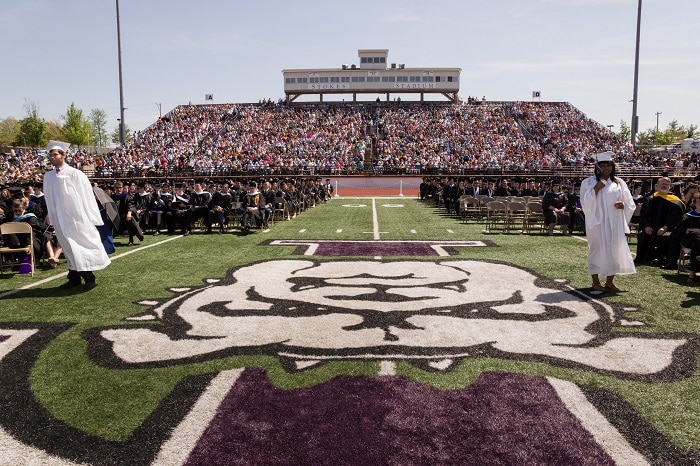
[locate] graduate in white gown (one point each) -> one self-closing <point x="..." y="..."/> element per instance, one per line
<point x="73" y="212"/>
<point x="608" y="207"/>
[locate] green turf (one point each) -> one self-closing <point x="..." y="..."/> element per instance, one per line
<point x="111" y="403"/>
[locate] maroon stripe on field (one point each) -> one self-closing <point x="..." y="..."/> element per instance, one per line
<point x="500" y="419"/>
<point x="4" y="338"/>
<point x="366" y="248"/>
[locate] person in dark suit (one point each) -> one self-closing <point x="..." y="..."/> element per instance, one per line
<point x="38" y="198"/>
<point x="423" y="189"/>
<point x="573" y="207"/>
<point x="687" y="232"/>
<point x="199" y="206"/>
<point x="219" y="206"/>
<point x="530" y="189"/>
<point x="251" y="216"/>
<point x="157" y="206"/>
<point x="128" y="219"/>
<point x="142" y="200"/>
<point x="503" y="190"/>
<point x="268" y="202"/>
<point x="450" y="195"/>
<point x="490" y="190"/>
<point x="658" y="217"/>
<point x="177" y="212"/>
<point x="554" y="208"/>
<point x="476" y="188"/>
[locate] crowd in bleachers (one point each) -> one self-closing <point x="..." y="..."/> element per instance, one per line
<point x="349" y="138"/>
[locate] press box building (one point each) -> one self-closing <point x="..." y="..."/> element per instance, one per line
<point x="374" y="75"/>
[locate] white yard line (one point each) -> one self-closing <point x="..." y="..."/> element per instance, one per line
<point x="375" y="220"/>
<point x="387" y="368"/>
<point x="186" y="435"/>
<point x="64" y="274"/>
<point x="594" y="422"/>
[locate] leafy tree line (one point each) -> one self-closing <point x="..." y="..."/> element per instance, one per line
<point x="673" y="133"/>
<point x="653" y="137"/>
<point x="74" y="127"/>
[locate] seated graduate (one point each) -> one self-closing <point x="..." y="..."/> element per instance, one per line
<point x="659" y="215"/>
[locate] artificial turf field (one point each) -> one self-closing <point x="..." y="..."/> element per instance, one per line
<point x="365" y="331"/>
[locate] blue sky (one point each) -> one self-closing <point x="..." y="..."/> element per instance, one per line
<point x="174" y="52"/>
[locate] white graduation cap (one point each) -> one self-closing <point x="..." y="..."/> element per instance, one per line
<point x="62" y="146"/>
<point x="604" y="157"/>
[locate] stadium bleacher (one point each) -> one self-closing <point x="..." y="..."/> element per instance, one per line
<point x="532" y="139"/>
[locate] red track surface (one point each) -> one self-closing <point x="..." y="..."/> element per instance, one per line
<point x="376" y="186"/>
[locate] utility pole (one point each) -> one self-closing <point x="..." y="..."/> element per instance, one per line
<point x="635" y="118"/>
<point x="122" y="135"/>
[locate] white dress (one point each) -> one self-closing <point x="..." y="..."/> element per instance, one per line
<point x="74" y="214"/>
<point x="607" y="227"/>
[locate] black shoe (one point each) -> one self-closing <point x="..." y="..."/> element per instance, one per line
<point x="69" y="284"/>
<point x="156" y="233"/>
<point x="130" y="243"/>
<point x="88" y="286"/>
<point x="186" y="233"/>
<point x="208" y="232"/>
<point x="140" y="237"/>
<point x="670" y="266"/>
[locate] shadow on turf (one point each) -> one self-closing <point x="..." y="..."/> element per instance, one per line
<point x="692" y="291"/>
<point x="52" y="292"/>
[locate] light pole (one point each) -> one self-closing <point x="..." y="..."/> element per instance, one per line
<point x="122" y="136"/>
<point x="657" y="120"/>
<point x="160" y="114"/>
<point x="635" y="118"/>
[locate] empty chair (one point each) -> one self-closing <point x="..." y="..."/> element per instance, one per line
<point x="515" y="218"/>
<point x="496" y="215"/>
<point x="534" y="218"/>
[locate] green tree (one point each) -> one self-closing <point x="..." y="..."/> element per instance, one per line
<point x="127" y="135"/>
<point x="98" y="122"/>
<point x="673" y="133"/>
<point x="54" y="130"/>
<point x="32" y="132"/>
<point x="76" y="128"/>
<point x="32" y="128"/>
<point x="676" y="132"/>
<point x="647" y="138"/>
<point x="9" y="131"/>
<point x="625" y="132"/>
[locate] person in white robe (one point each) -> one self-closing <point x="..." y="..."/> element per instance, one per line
<point x="608" y="207"/>
<point x="73" y="212"/>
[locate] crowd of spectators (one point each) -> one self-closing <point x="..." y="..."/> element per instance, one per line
<point x="355" y="138"/>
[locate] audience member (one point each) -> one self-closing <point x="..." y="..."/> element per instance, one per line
<point x="658" y="216"/>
